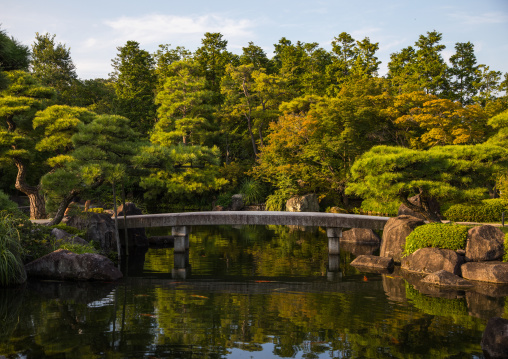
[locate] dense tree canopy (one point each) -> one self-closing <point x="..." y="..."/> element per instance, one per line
<point x="298" y="121"/>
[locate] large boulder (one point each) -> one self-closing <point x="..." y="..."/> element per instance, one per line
<point x="307" y="203"/>
<point x="65" y="237"/>
<point x="66" y="265"/>
<point x="484" y="243"/>
<point x="360" y="235"/>
<point x="394" y="236"/>
<point x="99" y="227"/>
<point x="404" y="210"/>
<point x="371" y="261"/>
<point x="136" y="236"/>
<point x="444" y="278"/>
<point x="495" y="338"/>
<point x="359" y="248"/>
<point x="237" y="203"/>
<point x="493" y="272"/>
<point x="430" y="260"/>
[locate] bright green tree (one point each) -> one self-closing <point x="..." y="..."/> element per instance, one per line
<point x="18" y="138"/>
<point x="449" y="174"/>
<point x="13" y="56"/>
<point x="135" y="82"/>
<point x="184" y="107"/>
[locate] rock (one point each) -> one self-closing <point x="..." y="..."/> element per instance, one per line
<point x="99" y="228"/>
<point x="394" y="236"/>
<point x="373" y="262"/>
<point x="403" y="210"/>
<point x="65" y="237"/>
<point x="495" y="338"/>
<point x="237" y="202"/>
<point x="360" y="235"/>
<point x="484" y="243"/>
<point x="494" y="272"/>
<point x="136" y="236"/>
<point x="66" y="265"/>
<point x="394" y="286"/>
<point x="358" y="248"/>
<point x="430" y="260"/>
<point x="307" y="203"/>
<point x="446" y="279"/>
<point x="337" y="210"/>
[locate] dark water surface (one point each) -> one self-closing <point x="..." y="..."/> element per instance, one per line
<point x="250" y="292"/>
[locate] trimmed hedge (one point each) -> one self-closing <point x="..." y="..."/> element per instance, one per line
<point x="437" y="235"/>
<point x="489" y="210"/>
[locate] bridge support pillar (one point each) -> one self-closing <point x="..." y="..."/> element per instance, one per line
<point x="181" y="267"/>
<point x="181" y="235"/>
<point x="334" y="234"/>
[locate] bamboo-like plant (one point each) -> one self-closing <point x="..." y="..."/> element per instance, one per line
<point x="12" y="270"/>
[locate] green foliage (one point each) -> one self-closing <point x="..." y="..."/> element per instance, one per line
<point x="252" y="191"/>
<point x="78" y="248"/>
<point x="277" y="200"/>
<point x="489" y="210"/>
<point x="11" y="263"/>
<point x="69" y="229"/>
<point x="224" y="199"/>
<point x="6" y="203"/>
<point x="447" y="173"/>
<point x="436" y="235"/>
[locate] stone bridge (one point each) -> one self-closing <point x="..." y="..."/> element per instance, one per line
<point x="181" y="222"/>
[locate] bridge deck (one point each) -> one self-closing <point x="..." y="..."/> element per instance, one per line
<point x="329" y="220"/>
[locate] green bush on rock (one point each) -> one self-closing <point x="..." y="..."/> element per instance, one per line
<point x="437" y="235"/>
<point x="489" y="210"/>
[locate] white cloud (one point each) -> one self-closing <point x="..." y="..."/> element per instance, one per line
<point x="156" y="28"/>
<point x="485" y="18"/>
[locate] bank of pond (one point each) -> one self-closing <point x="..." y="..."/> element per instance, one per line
<point x="249" y="291"/>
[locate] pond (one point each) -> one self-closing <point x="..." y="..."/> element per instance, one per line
<point x="248" y="292"/>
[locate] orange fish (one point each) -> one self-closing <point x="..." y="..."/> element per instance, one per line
<point x="365" y="279"/>
<point x="264" y="281"/>
<point x="198" y="296"/>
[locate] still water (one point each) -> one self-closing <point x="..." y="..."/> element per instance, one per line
<point x="248" y="292"/>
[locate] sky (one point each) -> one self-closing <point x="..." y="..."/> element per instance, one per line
<point x="94" y="29"/>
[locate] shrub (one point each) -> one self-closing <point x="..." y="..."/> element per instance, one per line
<point x="438" y="235"/>
<point x="224" y="199"/>
<point x="69" y="229"/>
<point x="252" y="191"/>
<point x="489" y="210"/>
<point x="6" y="203"/>
<point x="12" y="270"/>
<point x="78" y="248"/>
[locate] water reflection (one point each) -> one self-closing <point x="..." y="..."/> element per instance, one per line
<point x="255" y="292"/>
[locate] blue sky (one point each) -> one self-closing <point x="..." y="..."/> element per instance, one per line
<point x="94" y="29"/>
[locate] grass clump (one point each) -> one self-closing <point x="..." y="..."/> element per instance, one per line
<point x="252" y="191"/>
<point x="489" y="210"/>
<point x="12" y="270"/>
<point x="437" y="235"/>
<point x="78" y="248"/>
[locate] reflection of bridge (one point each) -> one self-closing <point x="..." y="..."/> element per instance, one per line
<point x="181" y="223"/>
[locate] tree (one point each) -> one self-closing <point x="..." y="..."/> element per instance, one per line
<point x="184" y="109"/>
<point x="52" y="65"/>
<point x="135" y="82"/>
<point x="164" y="58"/>
<point x="463" y="73"/>
<point x="420" y="68"/>
<point x="13" y="56"/>
<point x="18" y="105"/>
<point x="213" y="57"/>
<point x="449" y="174"/>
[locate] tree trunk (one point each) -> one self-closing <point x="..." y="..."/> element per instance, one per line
<point x="62" y="207"/>
<point x="37" y="202"/>
<point x="423" y="209"/>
